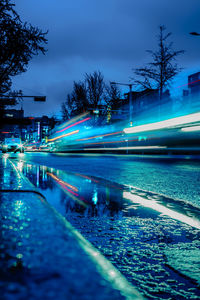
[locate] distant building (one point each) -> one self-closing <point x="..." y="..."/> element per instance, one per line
<point x="38" y="128"/>
<point x="147" y="102"/>
<point x="11" y="123"/>
<point x="191" y="96"/>
<point x="142" y="100"/>
<point x="27" y="128"/>
<point x="194" y="83"/>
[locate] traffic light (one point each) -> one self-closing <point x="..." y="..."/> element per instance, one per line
<point x="40" y="98"/>
<point x="96" y="111"/>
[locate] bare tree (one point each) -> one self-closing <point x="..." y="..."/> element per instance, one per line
<point x="112" y="96"/>
<point x="163" y="68"/>
<point x="79" y="97"/>
<point x="86" y="95"/>
<point x="76" y="101"/>
<point x="18" y="44"/>
<point x="95" y="88"/>
<point x="67" y="108"/>
<point x="64" y="111"/>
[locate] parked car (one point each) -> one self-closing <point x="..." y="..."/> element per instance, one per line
<point x="12" y="144"/>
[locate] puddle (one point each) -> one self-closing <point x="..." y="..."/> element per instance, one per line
<point x="91" y="196"/>
<point x="139" y="232"/>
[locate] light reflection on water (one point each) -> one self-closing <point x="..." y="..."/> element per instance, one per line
<point x="70" y="193"/>
<point x="79" y="193"/>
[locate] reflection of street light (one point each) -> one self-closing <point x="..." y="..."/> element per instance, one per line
<point x="130" y="99"/>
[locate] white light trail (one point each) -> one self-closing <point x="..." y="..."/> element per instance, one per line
<point x="170" y="123"/>
<point x="128" y="148"/>
<point x="190" y="129"/>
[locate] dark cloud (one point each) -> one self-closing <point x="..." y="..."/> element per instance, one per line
<point x="106" y="35"/>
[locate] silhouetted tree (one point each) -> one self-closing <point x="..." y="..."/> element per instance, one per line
<point x="86" y="95"/>
<point x="76" y="102"/>
<point x="18" y="44"/>
<point x="95" y="86"/>
<point x="163" y="67"/>
<point x="64" y="111"/>
<point x="53" y="121"/>
<point x="66" y="108"/>
<point x="112" y="96"/>
<point x="79" y="97"/>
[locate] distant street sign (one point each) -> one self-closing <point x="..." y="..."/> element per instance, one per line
<point x="40" y="98"/>
<point x="8" y="100"/>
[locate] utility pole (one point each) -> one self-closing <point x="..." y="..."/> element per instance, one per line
<point x="130" y="99"/>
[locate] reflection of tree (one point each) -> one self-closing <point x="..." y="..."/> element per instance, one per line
<point x="111" y="198"/>
<point x="70" y="204"/>
<point x="46" y="183"/>
<point x="109" y="201"/>
<point x="91" y="210"/>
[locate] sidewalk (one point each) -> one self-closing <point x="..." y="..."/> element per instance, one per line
<point x="43" y="256"/>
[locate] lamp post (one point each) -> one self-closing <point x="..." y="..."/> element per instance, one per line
<point x="130" y="98"/>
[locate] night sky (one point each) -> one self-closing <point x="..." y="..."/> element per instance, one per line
<point x="111" y="36"/>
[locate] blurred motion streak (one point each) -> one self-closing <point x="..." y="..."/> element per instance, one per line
<point x="73" y="119"/>
<point x="170" y="135"/>
<point x="102" y="135"/>
<point x="183" y="120"/>
<point x="191" y="128"/>
<point x="64" y="135"/>
<point x="130" y="148"/>
<point x="79" y="122"/>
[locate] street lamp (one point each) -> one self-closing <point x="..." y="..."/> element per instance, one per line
<point x="130" y="98"/>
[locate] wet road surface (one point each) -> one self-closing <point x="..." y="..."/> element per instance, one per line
<point x="42" y="256"/>
<point x="171" y="176"/>
<point x="152" y="239"/>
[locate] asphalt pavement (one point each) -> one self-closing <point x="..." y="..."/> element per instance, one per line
<point x="176" y="176"/>
<point x="42" y="255"/>
<point x="153" y="239"/>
